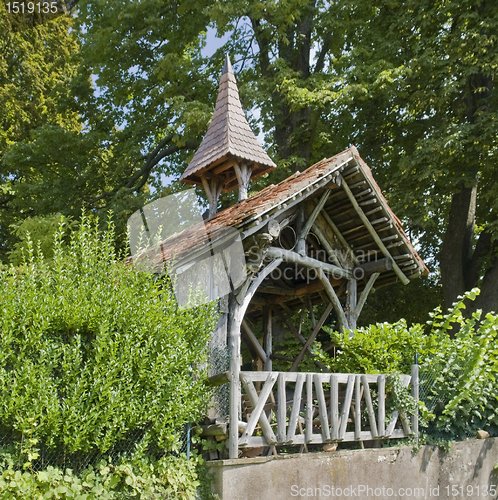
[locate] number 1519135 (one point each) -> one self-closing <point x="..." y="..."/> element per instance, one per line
<point x="31" y="7"/>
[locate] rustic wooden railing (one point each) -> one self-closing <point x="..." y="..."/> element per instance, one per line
<point x="295" y="408"/>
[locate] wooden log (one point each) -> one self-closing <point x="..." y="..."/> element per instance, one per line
<point x="296" y="405"/>
<point x="311" y="339"/>
<point x="267" y="338"/>
<point x="309" y="408"/>
<point x="381" y="386"/>
<point x="376" y="266"/>
<point x="334" y="407"/>
<point x="237" y="311"/>
<point x="351" y="291"/>
<point x="218" y="379"/>
<point x="346" y="406"/>
<point x="322" y="408"/>
<point x="329" y="290"/>
<point x="299" y="337"/>
<point x="257" y="414"/>
<point x="373" y="233"/>
<point x="364" y="294"/>
<point x="214" y="430"/>
<point x="295" y="258"/>
<point x="254" y="341"/>
<point x="415" y="395"/>
<point x="357" y="409"/>
<point x="370" y="408"/>
<point x="314" y="214"/>
<point x="281" y="409"/>
<point x="325" y="243"/>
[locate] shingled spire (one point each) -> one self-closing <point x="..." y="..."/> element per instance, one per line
<point x="230" y="154"/>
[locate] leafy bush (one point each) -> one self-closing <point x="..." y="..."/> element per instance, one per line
<point x="166" y="478"/>
<point x="464" y="364"/>
<point x="91" y="349"/>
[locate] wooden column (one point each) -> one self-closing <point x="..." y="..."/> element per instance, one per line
<point x="267" y="338"/>
<point x="236" y="315"/>
<point x="243" y="173"/>
<point x="351" y="305"/>
<point x="212" y="187"/>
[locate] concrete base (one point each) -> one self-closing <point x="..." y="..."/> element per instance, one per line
<point x="466" y="471"/>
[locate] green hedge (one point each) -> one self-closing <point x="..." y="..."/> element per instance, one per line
<point x="92" y="349"/>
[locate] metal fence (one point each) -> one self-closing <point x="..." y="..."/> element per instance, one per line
<point x="436" y="389"/>
<point x="79" y="461"/>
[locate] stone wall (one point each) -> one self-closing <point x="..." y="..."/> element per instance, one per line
<point x="466" y="471"/>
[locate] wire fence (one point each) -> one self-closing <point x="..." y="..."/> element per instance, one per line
<point x="46" y="456"/>
<point x="436" y="389"/>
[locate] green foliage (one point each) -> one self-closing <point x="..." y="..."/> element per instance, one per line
<point x="464" y="364"/>
<point x="92" y="349"/>
<point x="169" y="478"/>
<point x="39" y="232"/>
<point x="380" y="348"/>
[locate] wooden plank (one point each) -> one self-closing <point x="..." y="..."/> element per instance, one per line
<point x="370" y="408"/>
<point x="373" y="233"/>
<point x="329" y="290"/>
<point x="254" y="341"/>
<point x="346" y="406"/>
<point x="295" y="258"/>
<point x="311" y="219"/>
<point x="296" y="406"/>
<point x="364" y="294"/>
<point x="309" y="407"/>
<point x="357" y="409"/>
<point x="281" y="409"/>
<point x="342" y="378"/>
<point x="322" y="408"/>
<point x="311" y="339"/>
<point x="334" y="407"/>
<point x="257" y="414"/>
<point x="381" y="386"/>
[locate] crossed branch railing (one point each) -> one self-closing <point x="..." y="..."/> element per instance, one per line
<point x="290" y="408"/>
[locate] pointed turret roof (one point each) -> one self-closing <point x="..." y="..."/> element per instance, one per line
<point x="229" y="139"/>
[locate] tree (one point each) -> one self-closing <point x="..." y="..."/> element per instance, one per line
<point x="35" y="69"/>
<point x="409" y="82"/>
<point x="430" y="124"/>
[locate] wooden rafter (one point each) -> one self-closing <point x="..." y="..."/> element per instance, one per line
<point x="373" y="233"/>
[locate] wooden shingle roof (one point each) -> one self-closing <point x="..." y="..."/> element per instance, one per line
<point x="229" y="139"/>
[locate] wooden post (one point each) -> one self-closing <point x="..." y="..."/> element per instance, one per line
<point x="351" y="306"/>
<point x="415" y="395"/>
<point x="243" y="173"/>
<point x="236" y="315"/>
<point x="267" y="338"/>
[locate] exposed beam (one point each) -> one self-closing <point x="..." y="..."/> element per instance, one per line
<point x="295" y="258"/>
<point x="299" y="337"/>
<point x="311" y="339"/>
<point x="364" y="294"/>
<point x="329" y="290"/>
<point x="373" y="233"/>
<point x="254" y="341"/>
<point x="339" y="235"/>
<point x="311" y="219"/>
